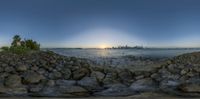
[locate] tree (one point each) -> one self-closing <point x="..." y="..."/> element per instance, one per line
<point x="16" y="41"/>
<point x="33" y="45"/>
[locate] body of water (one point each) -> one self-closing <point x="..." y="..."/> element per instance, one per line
<point x="106" y="53"/>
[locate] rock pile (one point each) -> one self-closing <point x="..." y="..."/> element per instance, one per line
<point x="50" y="74"/>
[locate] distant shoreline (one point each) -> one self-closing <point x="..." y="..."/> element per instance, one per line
<point x="130" y="48"/>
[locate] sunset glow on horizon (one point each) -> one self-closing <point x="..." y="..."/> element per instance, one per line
<point x="100" y="24"/>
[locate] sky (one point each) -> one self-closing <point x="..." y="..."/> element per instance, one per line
<point x="102" y="23"/>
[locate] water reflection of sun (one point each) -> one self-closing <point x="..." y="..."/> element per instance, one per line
<point x="103" y="46"/>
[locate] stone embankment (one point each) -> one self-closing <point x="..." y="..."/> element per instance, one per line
<point x="49" y="74"/>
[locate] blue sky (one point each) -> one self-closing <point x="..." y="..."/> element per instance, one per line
<point x="96" y="23"/>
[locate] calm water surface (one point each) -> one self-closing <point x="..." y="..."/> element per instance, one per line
<point x="92" y="53"/>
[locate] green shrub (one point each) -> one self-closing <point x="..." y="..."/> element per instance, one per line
<point x="33" y="45"/>
<point x="5" y="48"/>
<point x="19" y="50"/>
<point x="19" y="46"/>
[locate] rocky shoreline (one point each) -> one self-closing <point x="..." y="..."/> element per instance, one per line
<point x="48" y="74"/>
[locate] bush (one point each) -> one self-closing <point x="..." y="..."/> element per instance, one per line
<point x="19" y="46"/>
<point x="33" y="45"/>
<point x="19" y="50"/>
<point x="5" y="48"/>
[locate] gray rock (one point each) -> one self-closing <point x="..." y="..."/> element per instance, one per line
<point x="98" y="75"/>
<point x="116" y="90"/>
<point x="65" y="82"/>
<point x="41" y="71"/>
<point x="89" y="83"/>
<point x="55" y="75"/>
<point x="1" y="69"/>
<point x="173" y="68"/>
<point x="4" y="90"/>
<point x="50" y="83"/>
<point x="190" y="88"/>
<point x="19" y="91"/>
<point x="35" y="88"/>
<point x="139" y="77"/>
<point x="76" y="90"/>
<point x="13" y="81"/>
<point x="184" y="71"/>
<point x="170" y="86"/>
<point x="66" y="73"/>
<point x="32" y="77"/>
<point x="34" y="68"/>
<point x="80" y="73"/>
<point x="48" y="91"/>
<point x="144" y="85"/>
<point x="110" y="78"/>
<point x="21" y="68"/>
<point x="9" y="69"/>
<point x="125" y="76"/>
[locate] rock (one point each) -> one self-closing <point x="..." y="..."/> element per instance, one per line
<point x="169" y="83"/>
<point x="65" y="82"/>
<point x="21" y="68"/>
<point x="89" y="83"/>
<point x="98" y="75"/>
<point x="4" y="90"/>
<point x="80" y="73"/>
<point x="41" y="71"/>
<point x="34" y="68"/>
<point x="76" y="90"/>
<point x="170" y="86"/>
<point x="190" y="74"/>
<point x="190" y="88"/>
<point x="35" y="88"/>
<point x="110" y="78"/>
<point x="116" y="90"/>
<point x="1" y="69"/>
<point x="49" y="91"/>
<point x="173" y="68"/>
<point x="50" y="83"/>
<point x="19" y="91"/>
<point x="55" y="75"/>
<point x="13" y="81"/>
<point x="183" y="72"/>
<point x="139" y="77"/>
<point x="144" y="85"/>
<point x="66" y="73"/>
<point x="125" y="76"/>
<point x="156" y="76"/>
<point x="32" y="77"/>
<point x="9" y="69"/>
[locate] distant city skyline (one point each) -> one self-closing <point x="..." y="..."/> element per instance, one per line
<point x="102" y="23"/>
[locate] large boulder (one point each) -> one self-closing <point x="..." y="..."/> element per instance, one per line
<point x="74" y="90"/>
<point x="32" y="77"/>
<point x="19" y="91"/>
<point x="126" y="76"/>
<point x="169" y="86"/>
<point x="66" y="73"/>
<point x="65" y="82"/>
<point x="190" y="88"/>
<point x="21" y="68"/>
<point x="89" y="83"/>
<point x="55" y="75"/>
<point x="13" y="81"/>
<point x="98" y="75"/>
<point x="144" y="85"/>
<point x="80" y="73"/>
<point x="116" y="90"/>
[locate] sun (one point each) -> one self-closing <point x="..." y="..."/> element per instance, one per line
<point x="103" y="46"/>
